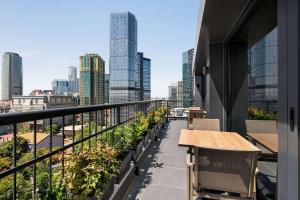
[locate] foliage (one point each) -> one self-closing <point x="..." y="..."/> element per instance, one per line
<point x="150" y="118"/>
<point x="22" y="128"/>
<point x="88" y="172"/>
<point x="55" y="129"/>
<point x="117" y="138"/>
<point x="23" y="188"/>
<point x="5" y="163"/>
<point x="260" y="114"/>
<point x="6" y="148"/>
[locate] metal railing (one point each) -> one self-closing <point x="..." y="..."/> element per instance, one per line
<point x="105" y="117"/>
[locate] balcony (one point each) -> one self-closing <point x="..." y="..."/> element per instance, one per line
<point x="98" y="156"/>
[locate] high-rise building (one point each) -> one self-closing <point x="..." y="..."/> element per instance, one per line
<point x="92" y="70"/>
<point x="173" y="92"/>
<point x="263" y="73"/>
<point x="187" y="77"/>
<point x="180" y="91"/>
<point x="60" y="86"/>
<point x="123" y="58"/>
<point x="12" y="75"/>
<point x="147" y="78"/>
<point x="144" y="77"/>
<point x="106" y="88"/>
<point x="73" y="87"/>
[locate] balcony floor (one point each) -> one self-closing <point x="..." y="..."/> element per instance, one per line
<point x="163" y="175"/>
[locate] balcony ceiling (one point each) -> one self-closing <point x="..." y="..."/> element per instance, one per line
<point x="220" y="21"/>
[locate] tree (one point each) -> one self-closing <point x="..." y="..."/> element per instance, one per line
<point x="55" y="129"/>
<point x="6" y="148"/>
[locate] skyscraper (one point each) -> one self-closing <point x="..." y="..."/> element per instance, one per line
<point x="60" y="86"/>
<point x="106" y="88"/>
<point x="123" y="56"/>
<point x="144" y="77"/>
<point x="187" y="77"/>
<point x="12" y="75"/>
<point x="73" y="79"/>
<point x="92" y="70"/>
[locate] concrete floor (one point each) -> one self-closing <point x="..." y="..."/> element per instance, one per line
<point x="163" y="175"/>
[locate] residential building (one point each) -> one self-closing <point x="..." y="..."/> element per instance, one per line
<point x="263" y="73"/>
<point x="43" y="102"/>
<point x="173" y="89"/>
<point x="187" y="77"/>
<point x="92" y="71"/>
<point x="180" y="91"/>
<point x="106" y="88"/>
<point x="60" y="86"/>
<point x="12" y="75"/>
<point x="144" y="77"/>
<point x="123" y="58"/>
<point x="73" y="80"/>
<point x="42" y="92"/>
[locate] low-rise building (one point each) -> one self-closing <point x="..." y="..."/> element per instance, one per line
<point x="43" y="102"/>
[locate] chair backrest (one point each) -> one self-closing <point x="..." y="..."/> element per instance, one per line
<point x="261" y="126"/>
<point x="206" y="124"/>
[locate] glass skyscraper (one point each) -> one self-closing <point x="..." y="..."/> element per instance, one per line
<point x="187" y="77"/>
<point x="263" y="73"/>
<point x="144" y="77"/>
<point x="92" y="70"/>
<point x="123" y="58"/>
<point x="147" y="78"/>
<point x="73" y="87"/>
<point x="106" y="88"/>
<point x="12" y="75"/>
<point x="60" y="86"/>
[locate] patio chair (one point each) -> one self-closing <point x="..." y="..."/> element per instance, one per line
<point x="261" y="126"/>
<point x="206" y="124"/>
<point x="219" y="174"/>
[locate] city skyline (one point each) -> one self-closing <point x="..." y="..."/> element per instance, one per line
<point x="47" y="63"/>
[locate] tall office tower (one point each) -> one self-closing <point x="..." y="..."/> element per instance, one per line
<point x="180" y="91"/>
<point x="263" y="73"/>
<point x="147" y="78"/>
<point x="144" y="77"/>
<point x="106" y="88"/>
<point x="187" y="77"/>
<point x="73" y="79"/>
<point x="173" y="92"/>
<point x="92" y="70"/>
<point x="123" y="58"/>
<point x="60" y="86"/>
<point x="12" y="75"/>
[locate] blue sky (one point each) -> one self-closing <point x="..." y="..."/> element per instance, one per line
<point x="50" y="35"/>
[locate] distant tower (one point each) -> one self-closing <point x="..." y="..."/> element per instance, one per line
<point x="60" y="86"/>
<point x="106" y="89"/>
<point x="92" y="70"/>
<point x="187" y="77"/>
<point x="73" y="79"/>
<point x="144" y="77"/>
<point x="123" y="56"/>
<point x="12" y="75"/>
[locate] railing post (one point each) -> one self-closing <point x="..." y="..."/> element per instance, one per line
<point x="118" y="115"/>
<point x="167" y="109"/>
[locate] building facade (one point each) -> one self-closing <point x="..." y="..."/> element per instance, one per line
<point x="147" y="78"/>
<point x="123" y="58"/>
<point x="12" y="75"/>
<point x="144" y="77"/>
<point x="72" y="78"/>
<point x="60" y="86"/>
<point x="173" y="92"/>
<point x="106" y="88"/>
<point x="92" y="70"/>
<point x="43" y="102"/>
<point x="187" y="77"/>
<point x="180" y="91"/>
<point x="263" y="73"/>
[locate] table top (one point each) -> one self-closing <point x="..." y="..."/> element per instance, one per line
<point x="195" y="109"/>
<point x="268" y="140"/>
<point x="217" y="140"/>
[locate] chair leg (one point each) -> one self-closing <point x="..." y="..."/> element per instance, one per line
<point x="189" y="179"/>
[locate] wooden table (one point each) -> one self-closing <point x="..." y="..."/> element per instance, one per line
<point x="194" y="112"/>
<point x="205" y="140"/>
<point x="267" y="140"/>
<point x="215" y="140"/>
